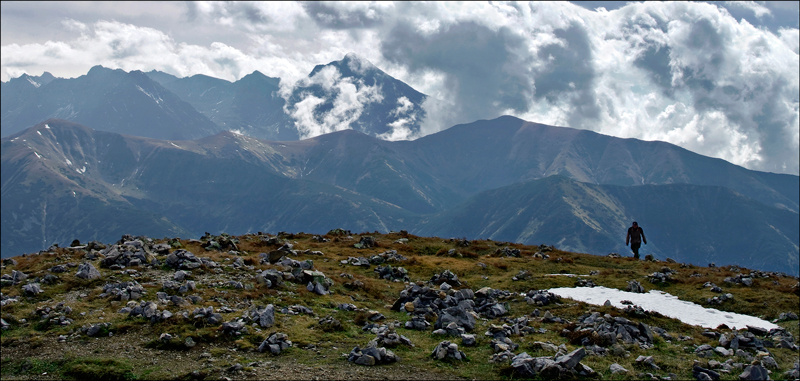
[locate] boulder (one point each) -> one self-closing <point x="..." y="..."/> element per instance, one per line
<point x="616" y="368"/>
<point x="447" y="350"/>
<point x="32" y="289"/>
<point x="754" y="372"/>
<point x="571" y="359"/>
<point x="275" y="343"/>
<point x="87" y="271"/>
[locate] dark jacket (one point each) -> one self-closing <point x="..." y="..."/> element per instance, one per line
<point x="635" y="235"/>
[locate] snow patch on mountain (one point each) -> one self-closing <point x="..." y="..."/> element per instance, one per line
<point x="665" y="304"/>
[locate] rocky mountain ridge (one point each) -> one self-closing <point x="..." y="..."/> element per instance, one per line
<point x="162" y="106"/>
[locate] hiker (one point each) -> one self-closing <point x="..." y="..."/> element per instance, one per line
<point x="635" y="237"/>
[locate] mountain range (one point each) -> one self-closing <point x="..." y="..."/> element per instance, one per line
<point x="162" y="106"/>
<point x="504" y="179"/>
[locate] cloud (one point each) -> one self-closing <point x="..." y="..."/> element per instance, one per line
<point x="720" y="79"/>
<point x="479" y="66"/>
<point x="347" y="15"/>
<point x="758" y="10"/>
<point x="327" y="102"/>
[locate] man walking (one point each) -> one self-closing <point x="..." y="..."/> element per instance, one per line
<point x="635" y="237"/>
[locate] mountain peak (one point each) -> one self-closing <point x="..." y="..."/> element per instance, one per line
<point x="350" y="66"/>
<point x="259" y="76"/>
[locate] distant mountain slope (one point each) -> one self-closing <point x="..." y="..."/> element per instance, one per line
<point x="689" y="223"/>
<point x="489" y="154"/>
<point x="53" y="190"/>
<point x="250" y="105"/>
<point x="455" y="186"/>
<point x="161" y="77"/>
<point x="108" y="100"/>
<point x="62" y="181"/>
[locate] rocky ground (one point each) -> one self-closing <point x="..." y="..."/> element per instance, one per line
<point x="373" y="306"/>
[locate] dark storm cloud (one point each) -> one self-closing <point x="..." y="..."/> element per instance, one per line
<point x="569" y="71"/>
<point x="329" y="15"/>
<point x="655" y="60"/>
<point x="482" y="69"/>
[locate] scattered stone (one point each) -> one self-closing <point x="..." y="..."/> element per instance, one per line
<point x="275" y="343"/>
<point x="347" y="307"/>
<point x="235" y="327"/>
<point x="94" y="329"/>
<point x="297" y="309"/>
<point x="330" y="324"/>
<point x="720" y="299"/>
<point x="647" y="361"/>
<point x="270" y="278"/>
<point x="205" y="314"/>
<point x="701" y="373"/>
<point x="507" y="252"/>
<point x="386" y="336"/>
<point x="397" y="274"/>
<point x="468" y="340"/>
<point x="372" y="355"/>
<point x="784" y="316"/>
<point x="448" y="350"/>
<point x="182" y="259"/>
<point x="263" y="316"/>
<point x="754" y="372"/>
<point x="123" y="291"/>
<point x="32" y="289"/>
<point x="635" y="286"/>
<point x="616" y="369"/>
<point x="365" y="243"/>
<point x="446" y="276"/>
<point x="541" y="297"/>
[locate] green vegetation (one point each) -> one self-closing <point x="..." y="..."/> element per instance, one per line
<point x="131" y="349"/>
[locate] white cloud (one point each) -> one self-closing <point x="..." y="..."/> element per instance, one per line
<point x="346" y="98"/>
<point x="687" y="73"/>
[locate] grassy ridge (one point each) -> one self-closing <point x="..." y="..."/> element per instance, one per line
<point x="135" y="351"/>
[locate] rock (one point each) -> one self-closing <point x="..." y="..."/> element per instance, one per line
<point x="32" y="289"/>
<point x="87" y="271"/>
<point x="701" y="373"/>
<point x="264" y="317"/>
<point x="647" y="361"/>
<point x="366" y="360"/>
<point x="275" y="343"/>
<point x="793" y="373"/>
<point x="754" y="372"/>
<point x="467" y="340"/>
<point x="448" y="350"/>
<point x="365" y="243"/>
<point x="769" y="362"/>
<point x="616" y="368"/>
<point x="757" y="330"/>
<point x="330" y="324"/>
<point x="458" y="315"/>
<point x="635" y="286"/>
<point x="571" y="359"/>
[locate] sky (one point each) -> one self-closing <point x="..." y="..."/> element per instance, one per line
<point x="717" y="78"/>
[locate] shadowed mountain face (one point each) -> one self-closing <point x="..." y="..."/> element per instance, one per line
<point x="488" y="179"/>
<point x="251" y="105"/>
<point x="689" y="223"/>
<point x="108" y="100"/>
